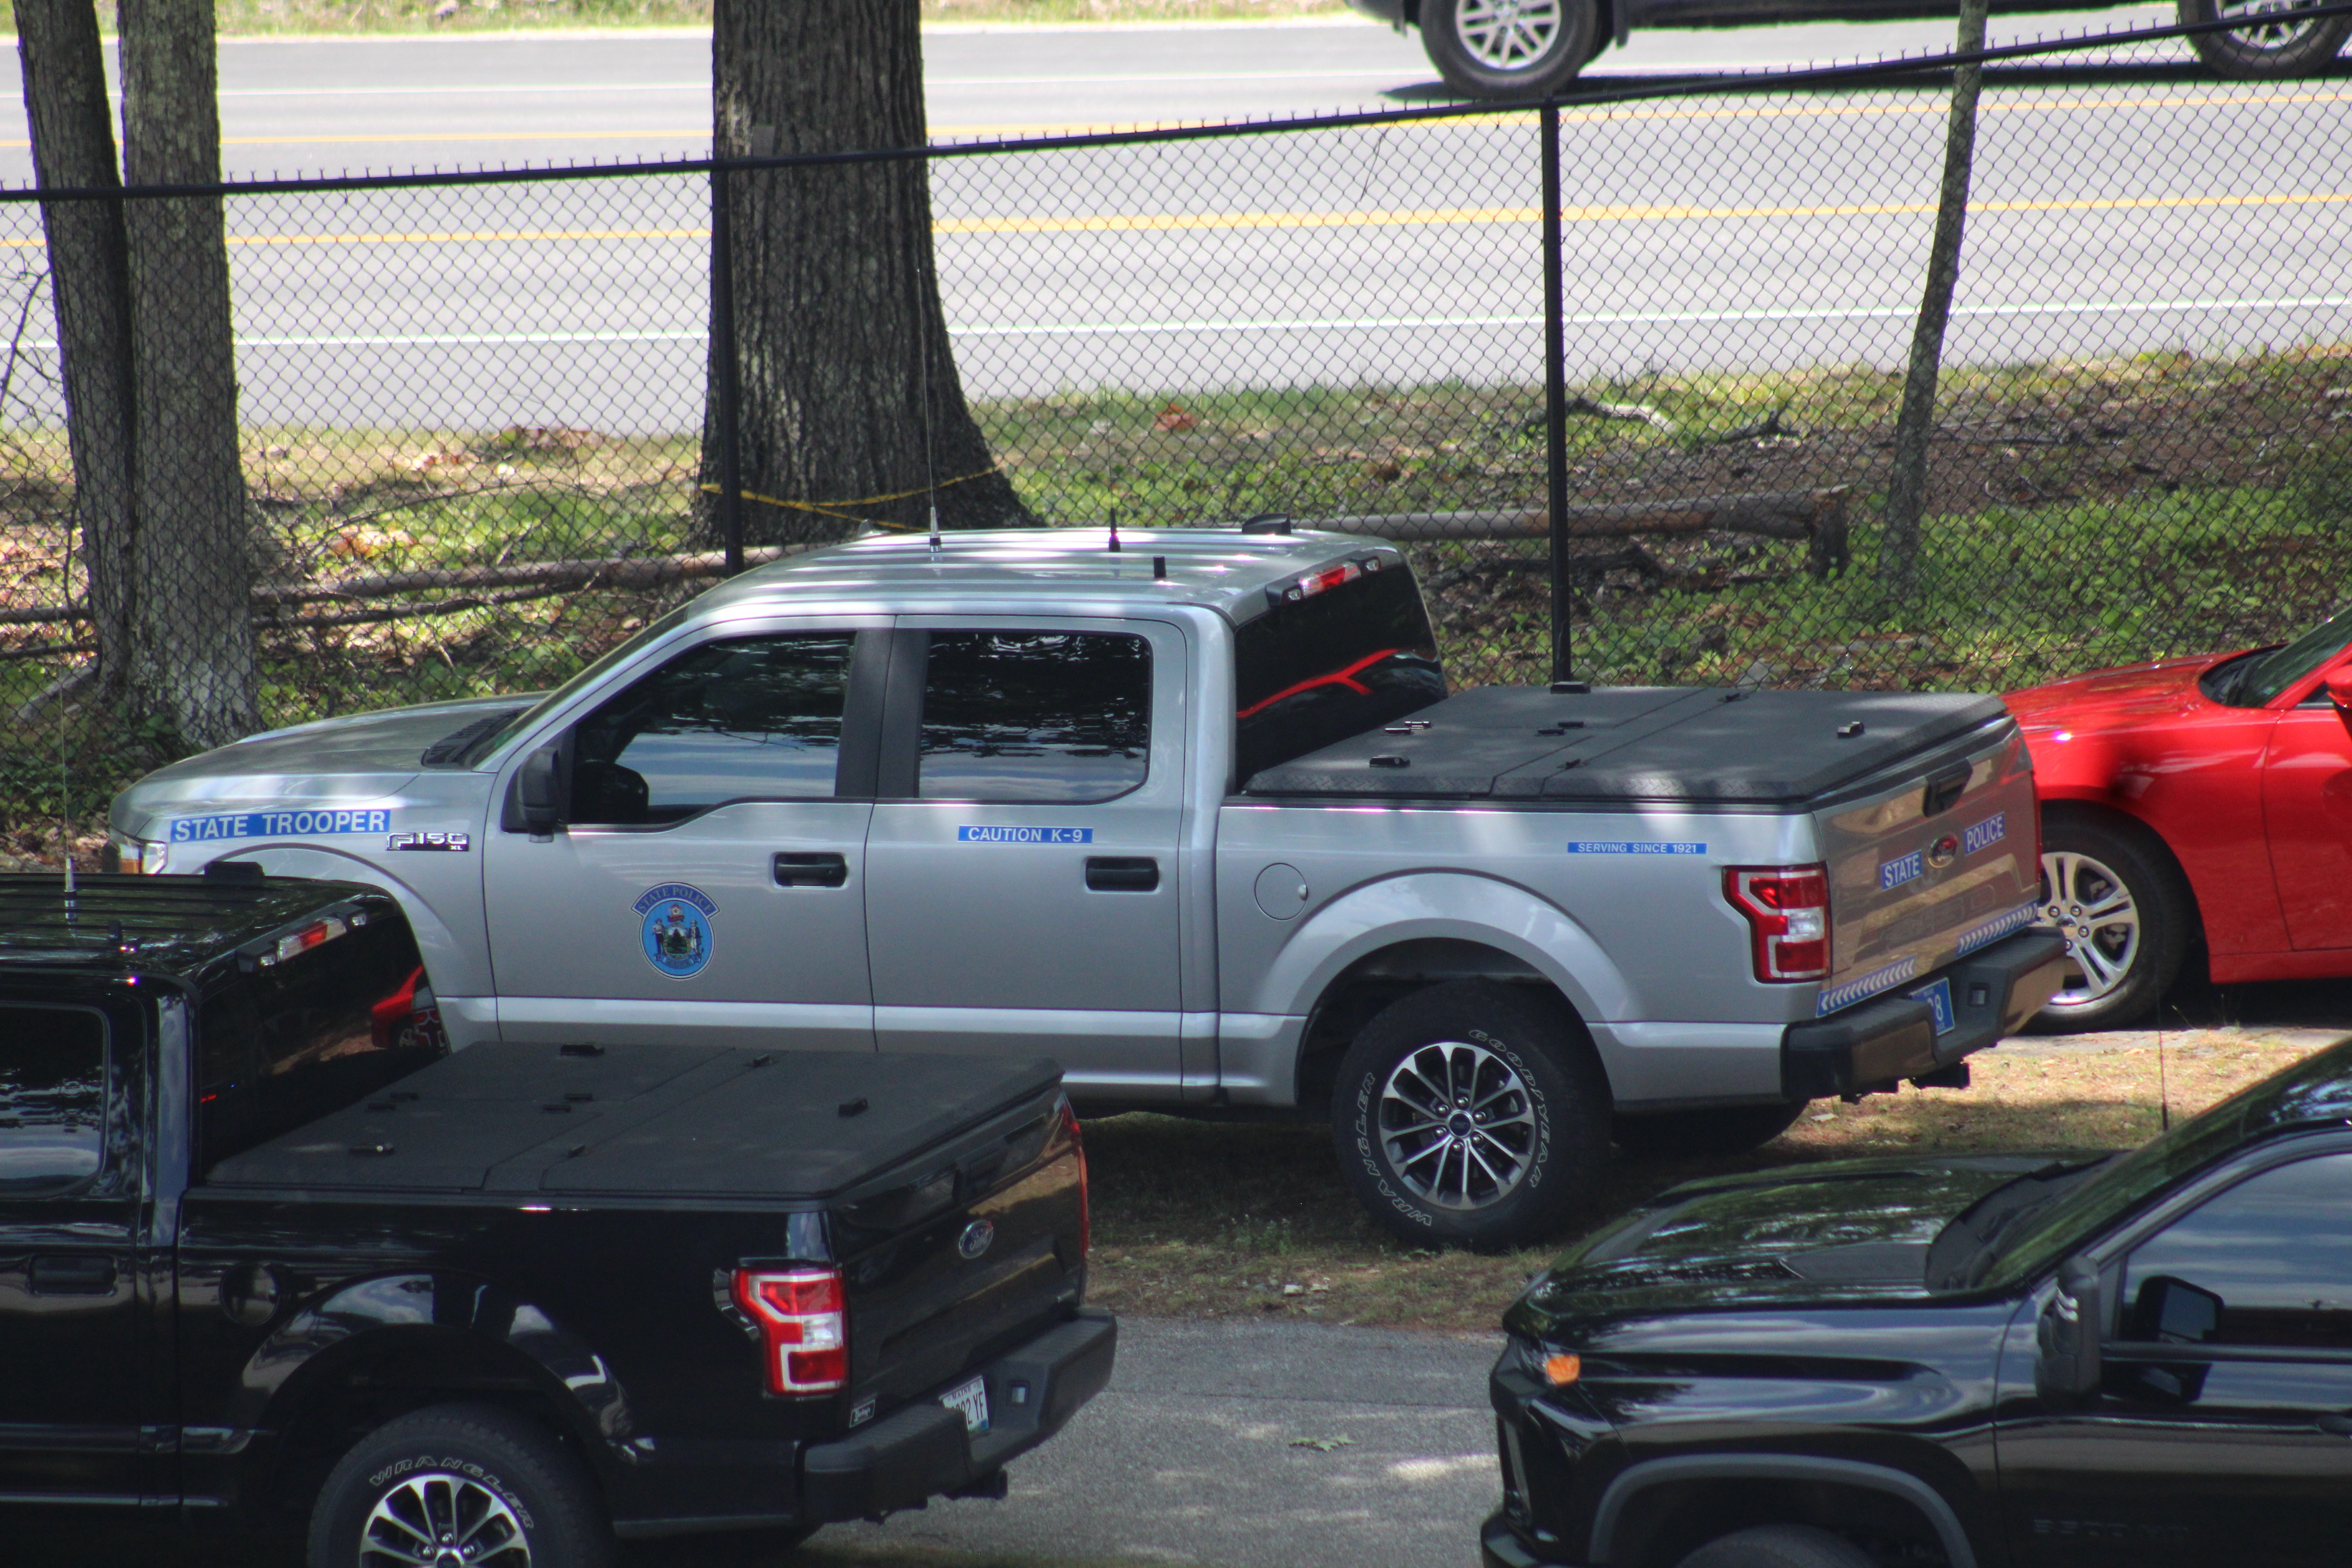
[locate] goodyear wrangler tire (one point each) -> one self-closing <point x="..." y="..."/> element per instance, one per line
<point x="469" y="1483"/>
<point x="1471" y="1115"/>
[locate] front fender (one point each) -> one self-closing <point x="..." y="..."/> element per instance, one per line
<point x="428" y="1323"/>
<point x="1456" y="905"/>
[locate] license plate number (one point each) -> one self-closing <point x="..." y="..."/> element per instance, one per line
<point x="1938" y="998"/>
<point x="972" y="1400"/>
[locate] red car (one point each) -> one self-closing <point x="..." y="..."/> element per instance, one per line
<point x="2196" y="800"/>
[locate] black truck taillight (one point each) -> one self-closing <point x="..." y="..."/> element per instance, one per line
<point x="1788" y="910"/>
<point x="803" y="1330"/>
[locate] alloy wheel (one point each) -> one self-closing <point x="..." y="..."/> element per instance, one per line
<point x="2274" y="24"/>
<point x="1509" y="34"/>
<point x="436" y="1519"/>
<point x="1457" y="1125"/>
<point x="2086" y="901"/>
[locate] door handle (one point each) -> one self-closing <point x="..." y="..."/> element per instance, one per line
<point x="72" y="1274"/>
<point x="811" y="870"/>
<point x="1122" y="874"/>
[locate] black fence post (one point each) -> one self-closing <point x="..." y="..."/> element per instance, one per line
<point x="722" y="366"/>
<point x="1555" y="401"/>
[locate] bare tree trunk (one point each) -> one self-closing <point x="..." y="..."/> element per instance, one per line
<point x="1901" y="550"/>
<point x="193" y="558"/>
<point x="89" y="287"/>
<point x="848" y="384"/>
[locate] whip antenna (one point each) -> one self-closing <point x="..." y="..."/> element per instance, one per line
<point x="65" y="752"/>
<point x="930" y="465"/>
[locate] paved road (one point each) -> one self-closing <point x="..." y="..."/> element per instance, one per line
<point x="1190" y="1456"/>
<point x="1790" y="235"/>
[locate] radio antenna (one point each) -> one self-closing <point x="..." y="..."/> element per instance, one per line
<point x="65" y="752"/>
<point x="930" y="465"/>
<point x="2163" y="1088"/>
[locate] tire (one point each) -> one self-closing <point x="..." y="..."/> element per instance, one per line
<point x="2125" y="913"/>
<point x="505" y="1480"/>
<point x="1538" y="1145"/>
<point x="2274" y="45"/>
<point x="1781" y="1546"/>
<point x="1510" y="49"/>
<point x="1733" y="1130"/>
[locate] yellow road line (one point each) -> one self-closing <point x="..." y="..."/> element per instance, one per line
<point x="1125" y="223"/>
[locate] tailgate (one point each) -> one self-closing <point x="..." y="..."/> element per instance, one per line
<point x="962" y="1255"/>
<point x="1938" y="863"/>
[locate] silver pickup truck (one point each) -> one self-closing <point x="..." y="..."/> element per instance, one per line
<point x="1198" y="818"/>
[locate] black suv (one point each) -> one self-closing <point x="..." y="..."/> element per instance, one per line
<point x="2069" y="1361"/>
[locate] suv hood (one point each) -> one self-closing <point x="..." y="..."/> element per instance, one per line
<point x="1844" y="1229"/>
<point x="363" y="758"/>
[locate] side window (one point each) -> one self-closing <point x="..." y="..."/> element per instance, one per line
<point x="745" y="719"/>
<point x="52" y="1097"/>
<point x="1054" y="718"/>
<point x="311" y="1035"/>
<point x="1319" y="669"/>
<point x="2268" y="1262"/>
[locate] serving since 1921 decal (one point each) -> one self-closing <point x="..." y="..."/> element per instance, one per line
<point x="675" y="929"/>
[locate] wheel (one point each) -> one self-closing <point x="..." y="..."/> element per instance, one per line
<point x="1471" y="1115"/>
<point x="469" y="1484"/>
<point x="1509" y="49"/>
<point x="2276" y="40"/>
<point x="2125" y="913"/>
<point x="1781" y="1546"/>
<point x="1734" y="1130"/>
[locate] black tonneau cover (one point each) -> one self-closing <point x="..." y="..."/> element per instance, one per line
<point x="1634" y="743"/>
<point x="648" y="1121"/>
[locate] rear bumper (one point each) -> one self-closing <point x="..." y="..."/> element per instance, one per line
<point x="924" y="1450"/>
<point x="1877" y="1043"/>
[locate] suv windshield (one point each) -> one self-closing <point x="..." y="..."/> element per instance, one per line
<point x="2256" y="678"/>
<point x="2317" y="1090"/>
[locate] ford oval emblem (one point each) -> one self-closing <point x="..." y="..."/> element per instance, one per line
<point x="976" y="1237"/>
<point x="1943" y="851"/>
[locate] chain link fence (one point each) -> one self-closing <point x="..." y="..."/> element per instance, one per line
<point x="471" y="411"/>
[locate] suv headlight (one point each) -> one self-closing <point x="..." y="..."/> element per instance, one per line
<point x="138" y="856"/>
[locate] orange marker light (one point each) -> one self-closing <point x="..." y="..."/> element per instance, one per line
<point x="1563" y="1369"/>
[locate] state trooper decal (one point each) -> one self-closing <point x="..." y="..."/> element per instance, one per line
<point x="677" y="929"/>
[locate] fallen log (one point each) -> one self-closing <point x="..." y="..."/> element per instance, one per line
<point x="1817" y="517"/>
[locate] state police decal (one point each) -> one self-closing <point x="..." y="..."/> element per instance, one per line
<point x="676" y="929"/>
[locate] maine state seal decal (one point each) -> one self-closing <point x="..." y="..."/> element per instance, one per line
<point x="676" y="929"/>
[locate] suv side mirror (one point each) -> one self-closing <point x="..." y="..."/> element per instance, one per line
<point x="2174" y="1312"/>
<point x="536" y="787"/>
<point x="2069" y="1335"/>
<point x="2338" y="687"/>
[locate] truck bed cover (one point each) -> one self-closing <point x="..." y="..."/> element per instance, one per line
<point x="1633" y="744"/>
<point x="651" y="1120"/>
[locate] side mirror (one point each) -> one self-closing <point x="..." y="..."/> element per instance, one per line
<point x="536" y="787"/>
<point x="2172" y="1311"/>
<point x="2069" y="1335"/>
<point x="2338" y="687"/>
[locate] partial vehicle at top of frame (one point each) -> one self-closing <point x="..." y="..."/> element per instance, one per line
<point x="2140" y="1361"/>
<point x="1194" y="812"/>
<point x="1529" y="48"/>
<point x="2191" y="802"/>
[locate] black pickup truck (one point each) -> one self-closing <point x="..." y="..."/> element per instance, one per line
<point x="272" y="1258"/>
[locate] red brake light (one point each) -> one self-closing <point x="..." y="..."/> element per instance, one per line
<point x="1085" y="1209"/>
<point x="1788" y="910"/>
<point x="803" y="1328"/>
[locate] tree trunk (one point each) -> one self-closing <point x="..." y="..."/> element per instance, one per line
<point x="848" y="386"/>
<point x="192" y="559"/>
<point x="89" y="288"/>
<point x="1902" y="550"/>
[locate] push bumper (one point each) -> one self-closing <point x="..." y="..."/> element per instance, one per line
<point x="1877" y="1043"/>
<point x="924" y="1450"/>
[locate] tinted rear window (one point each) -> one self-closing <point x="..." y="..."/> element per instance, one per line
<point x="314" y="1034"/>
<point x="52" y="1097"/>
<point x="1312" y="672"/>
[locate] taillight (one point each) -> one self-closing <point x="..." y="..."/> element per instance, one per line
<point x="1085" y="1210"/>
<point x="803" y="1331"/>
<point x="1788" y="910"/>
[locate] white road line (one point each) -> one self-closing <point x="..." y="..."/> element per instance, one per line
<point x="1360" y="325"/>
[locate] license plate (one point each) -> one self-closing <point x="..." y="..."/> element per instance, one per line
<point x="972" y="1400"/>
<point x="1938" y="998"/>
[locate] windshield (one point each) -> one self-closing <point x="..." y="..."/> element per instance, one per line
<point x="2251" y="681"/>
<point x="2317" y="1089"/>
<point x="491" y="740"/>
